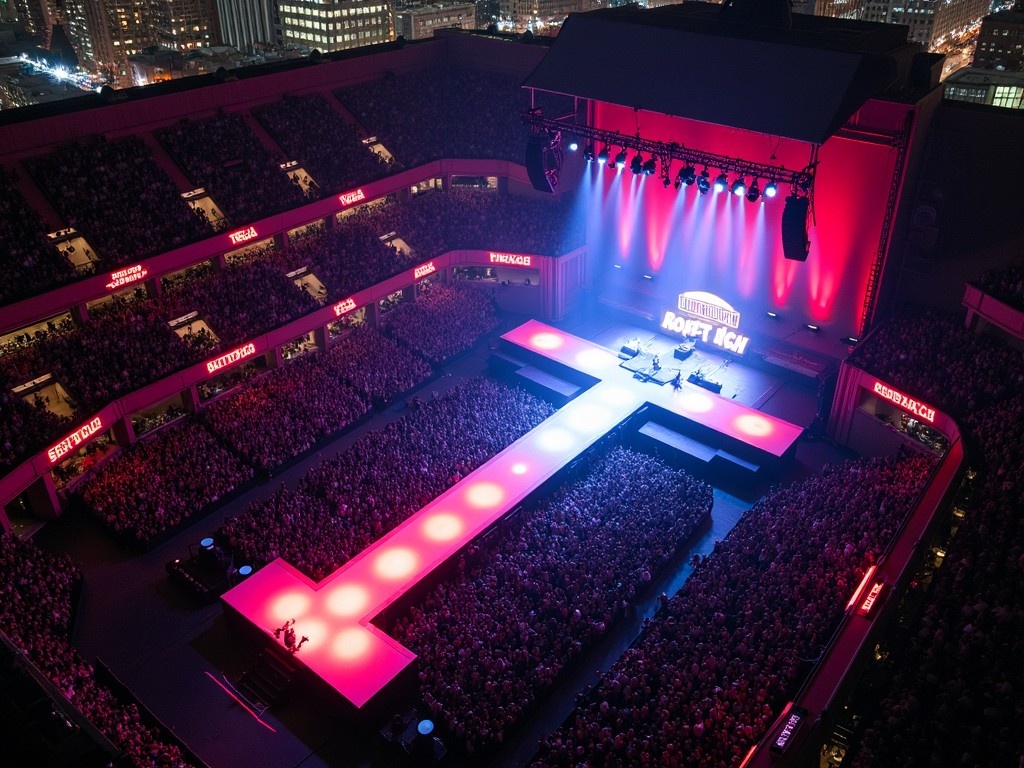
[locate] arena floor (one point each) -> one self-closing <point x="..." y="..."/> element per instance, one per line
<point x="171" y="652"/>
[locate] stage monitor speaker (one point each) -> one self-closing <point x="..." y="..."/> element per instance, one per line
<point x="542" y="163"/>
<point x="794" y="228"/>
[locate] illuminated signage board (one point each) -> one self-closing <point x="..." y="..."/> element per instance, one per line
<point x="871" y="598"/>
<point x="351" y="197"/>
<point x="343" y="307"/>
<point x="906" y="403"/>
<point x="708" y="318"/>
<point x="75" y="439"/>
<point x="243" y="235"/>
<point x="789" y="727"/>
<point x="423" y="270"/>
<point x="230" y="358"/>
<point x="510" y="259"/>
<point x="127" y="275"/>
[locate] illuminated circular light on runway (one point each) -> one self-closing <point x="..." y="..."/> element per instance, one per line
<point x="347" y="600"/>
<point x="395" y="563"/>
<point x="753" y="424"/>
<point x="351" y="643"/>
<point x="588" y="418"/>
<point x="313" y="629"/>
<point x="554" y="439"/>
<point x="613" y="394"/>
<point x="596" y="358"/>
<point x="289" y="606"/>
<point x="442" y="527"/>
<point x="695" y="402"/>
<point x="483" y="495"/>
<point x="519" y="468"/>
<point x="546" y="340"/>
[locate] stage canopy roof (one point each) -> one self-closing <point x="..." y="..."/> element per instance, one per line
<point x="801" y="82"/>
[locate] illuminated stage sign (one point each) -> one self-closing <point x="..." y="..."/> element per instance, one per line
<point x="871" y="598"/>
<point x="230" y="358"/>
<point x="342" y="307"/>
<point x="708" y="318"/>
<point x="904" y="402"/>
<point x="243" y="235"/>
<point x="351" y="197"/>
<point x="423" y="270"/>
<point x="126" y="276"/>
<point x="75" y="439"/>
<point x="789" y="727"/>
<point x="510" y="259"/>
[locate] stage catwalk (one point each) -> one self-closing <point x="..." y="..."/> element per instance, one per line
<point x="355" y="658"/>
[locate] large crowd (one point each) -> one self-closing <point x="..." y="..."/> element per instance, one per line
<point x="1007" y="285"/>
<point x="36" y="603"/>
<point x="314" y="133"/>
<point x="223" y="155"/>
<point x="443" y="321"/>
<point x="159" y="483"/>
<point x="242" y="301"/>
<point x="715" y="666"/>
<point x="115" y="194"/>
<point x="448" y="111"/>
<point x="493" y="641"/>
<point x="32" y="263"/>
<point x="946" y="365"/>
<point x="348" y="502"/>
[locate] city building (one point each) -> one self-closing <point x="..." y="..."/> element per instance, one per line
<point x="105" y="33"/>
<point x="986" y="86"/>
<point x="246" y="24"/>
<point x="939" y="25"/>
<point x="419" y="21"/>
<point x="1001" y="42"/>
<point x="335" y="25"/>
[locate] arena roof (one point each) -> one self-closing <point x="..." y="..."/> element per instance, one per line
<point x="801" y="82"/>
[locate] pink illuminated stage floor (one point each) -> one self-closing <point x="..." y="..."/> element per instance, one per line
<point x="357" y="659"/>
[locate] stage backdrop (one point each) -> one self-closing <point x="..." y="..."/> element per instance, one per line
<point x="725" y="245"/>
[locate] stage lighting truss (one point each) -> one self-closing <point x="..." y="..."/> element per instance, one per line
<point x="801" y="181"/>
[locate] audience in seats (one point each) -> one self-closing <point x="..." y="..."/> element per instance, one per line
<point x="285" y="412"/>
<point x="448" y="112"/>
<point x="716" y="665"/>
<point x="314" y="132"/>
<point x="162" y="481"/>
<point x="932" y="356"/>
<point x="1007" y="285"/>
<point x="36" y="594"/>
<point x="350" y="501"/>
<point x="492" y="642"/>
<point x="31" y="264"/>
<point x="243" y="301"/>
<point x="118" y="198"/>
<point x="442" y="321"/>
<point x="223" y="155"/>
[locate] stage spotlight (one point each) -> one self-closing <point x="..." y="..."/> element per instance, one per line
<point x="754" y="192"/>
<point x="666" y="181"/>
<point x="739" y="187"/>
<point x="603" y="155"/>
<point x="771" y="189"/>
<point x="773" y="315"/>
<point x="588" y="153"/>
<point x="650" y="166"/>
<point x="620" y="160"/>
<point x="573" y="145"/>
<point x="812" y="327"/>
<point x="721" y="182"/>
<point x="704" y="182"/>
<point x="688" y="175"/>
<point x="636" y="165"/>
<point x="850" y="340"/>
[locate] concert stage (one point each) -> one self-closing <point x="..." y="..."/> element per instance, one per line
<point x="357" y="659"/>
